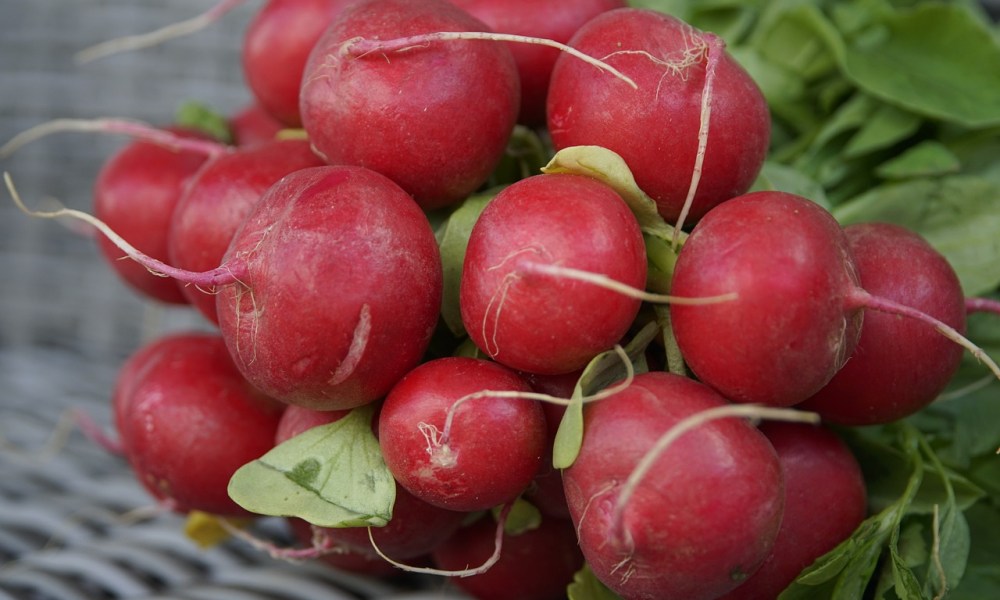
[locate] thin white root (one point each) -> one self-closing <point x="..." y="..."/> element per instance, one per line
<point x="617" y="286"/>
<point x="712" y="59"/>
<point x="363" y="46"/>
<point x="750" y="411"/>
<point x="130" y="127"/>
<point x="492" y="560"/>
<point x="158" y="36"/>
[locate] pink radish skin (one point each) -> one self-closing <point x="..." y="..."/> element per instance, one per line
<point x="253" y="125"/>
<point x="218" y="199"/>
<point x="701" y="521"/>
<point x="541" y="323"/>
<point x="338" y="288"/>
<point x="489" y="453"/>
<point x="825" y="500"/>
<point x="410" y="114"/>
<point x="275" y="48"/>
<point x="900" y="365"/>
<point x="556" y="21"/>
<point x="135" y="193"/>
<point x="657" y="128"/>
<point x="188" y="420"/>
<point x="794" y="322"/>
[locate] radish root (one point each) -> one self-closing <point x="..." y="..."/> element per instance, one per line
<point x="139" y="130"/>
<point x="359" y="47"/>
<point x="158" y="36"/>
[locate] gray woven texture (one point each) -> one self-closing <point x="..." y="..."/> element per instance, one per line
<point x="68" y="526"/>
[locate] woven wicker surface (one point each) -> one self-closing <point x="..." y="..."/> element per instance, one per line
<point x="68" y="509"/>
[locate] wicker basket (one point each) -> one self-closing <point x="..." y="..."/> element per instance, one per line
<point x="74" y="524"/>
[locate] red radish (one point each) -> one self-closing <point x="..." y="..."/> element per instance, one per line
<point x="415" y="528"/>
<point x="253" y="125"/>
<point x="537" y="322"/>
<point x="797" y="314"/>
<point x="339" y="288"/>
<point x="433" y="117"/>
<point x="341" y="558"/>
<point x="900" y="365"/>
<point x="825" y="500"/>
<point x="701" y="520"/>
<point x="275" y="48"/>
<point x="188" y="420"/>
<point x="452" y="442"/>
<point x="697" y="125"/>
<point x="217" y="200"/>
<point x="794" y="322"/>
<point x="536" y="564"/>
<point x="135" y="194"/>
<point x="556" y="21"/>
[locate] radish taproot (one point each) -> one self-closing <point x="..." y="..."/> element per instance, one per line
<point x="456" y="433"/>
<point x="799" y="304"/>
<point x="541" y="323"/>
<point x="433" y="117"/>
<point x="188" y="420"/>
<point x="216" y="201"/>
<point x="696" y="131"/>
<point x="900" y="365"/>
<point x="700" y="521"/>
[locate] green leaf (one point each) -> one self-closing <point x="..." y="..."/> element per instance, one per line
<point x="886" y="126"/>
<point x="784" y="178"/>
<point x="524" y="156"/>
<point x="586" y="586"/>
<point x="603" y="370"/>
<point x="523" y="516"/>
<point x="453" y="241"/>
<point x="204" y="118"/>
<point x="609" y="167"/>
<point x="937" y="59"/>
<point x="927" y="159"/>
<point x="332" y="476"/>
<point x="958" y="215"/>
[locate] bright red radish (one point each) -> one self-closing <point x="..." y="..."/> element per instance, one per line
<point x="135" y="193"/>
<point x="542" y="322"/>
<point x="900" y="365"/>
<point x="556" y="21"/>
<point x="452" y="443"/>
<point x="692" y="99"/>
<point x="825" y="500"/>
<point x="433" y="117"/>
<point x="700" y="521"/>
<point x="275" y="48"/>
<point x="188" y="419"/>
<point x="337" y="288"/>
<point x="216" y="201"/>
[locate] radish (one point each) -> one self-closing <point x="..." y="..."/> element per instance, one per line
<point x="536" y="564"/>
<point x="329" y="292"/>
<point x="556" y="21"/>
<point x="452" y="437"/>
<point x="338" y="288"/>
<point x="799" y="304"/>
<point x="415" y="528"/>
<point x="536" y="322"/>
<point x="696" y="131"/>
<point x="188" y="419"/>
<point x="704" y="516"/>
<point x="433" y="117"/>
<point x="275" y="48"/>
<point x="900" y="365"/>
<point x="216" y="201"/>
<point x="252" y="124"/>
<point x="825" y="500"/>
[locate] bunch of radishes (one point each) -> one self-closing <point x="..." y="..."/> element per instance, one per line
<point x="415" y="346"/>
